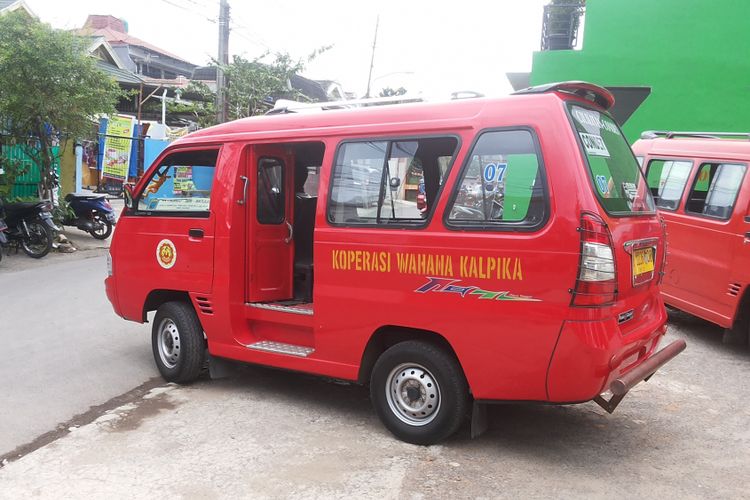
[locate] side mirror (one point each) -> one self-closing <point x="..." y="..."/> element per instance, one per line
<point x="395" y="182"/>
<point x="127" y="191"/>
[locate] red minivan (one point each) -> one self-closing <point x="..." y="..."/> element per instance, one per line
<point x="700" y="183"/>
<point x="291" y="241"/>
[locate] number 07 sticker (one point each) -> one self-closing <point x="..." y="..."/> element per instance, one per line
<point x="494" y="172"/>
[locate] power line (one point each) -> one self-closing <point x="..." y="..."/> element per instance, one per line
<point x="187" y="9"/>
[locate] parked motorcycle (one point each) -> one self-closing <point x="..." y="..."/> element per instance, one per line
<point x="29" y="226"/>
<point x="3" y="237"/>
<point x="93" y="214"/>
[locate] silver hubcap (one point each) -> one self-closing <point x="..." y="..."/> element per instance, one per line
<point x="413" y="394"/>
<point x="169" y="343"/>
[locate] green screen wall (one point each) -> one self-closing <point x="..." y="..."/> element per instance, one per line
<point x="694" y="54"/>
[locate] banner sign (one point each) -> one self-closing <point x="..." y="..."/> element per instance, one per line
<point x="117" y="146"/>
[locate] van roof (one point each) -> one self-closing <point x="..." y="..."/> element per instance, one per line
<point x="702" y="147"/>
<point x="376" y="119"/>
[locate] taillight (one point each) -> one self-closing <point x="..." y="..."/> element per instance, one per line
<point x="596" y="284"/>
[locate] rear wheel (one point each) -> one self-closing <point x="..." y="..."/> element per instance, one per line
<point x="177" y="342"/>
<point x="102" y="228"/>
<point x="39" y="242"/>
<point x="419" y="392"/>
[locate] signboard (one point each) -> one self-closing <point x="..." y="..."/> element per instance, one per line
<point x="117" y="145"/>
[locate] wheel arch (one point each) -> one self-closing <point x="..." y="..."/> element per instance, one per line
<point x="742" y="313"/>
<point x="156" y="298"/>
<point x="389" y="335"/>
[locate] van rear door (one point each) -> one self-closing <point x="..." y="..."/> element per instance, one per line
<point x="627" y="214"/>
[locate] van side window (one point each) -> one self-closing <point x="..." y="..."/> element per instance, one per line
<point x="270" y="188"/>
<point x="390" y="181"/>
<point x="501" y="186"/>
<point x="715" y="189"/>
<point x="667" y="179"/>
<point x="181" y="184"/>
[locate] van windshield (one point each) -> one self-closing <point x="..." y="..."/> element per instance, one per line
<point x="617" y="179"/>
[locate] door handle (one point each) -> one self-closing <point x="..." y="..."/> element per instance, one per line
<point x="195" y="233"/>
<point x="747" y="238"/>
<point x="290" y="237"/>
<point x="244" y="190"/>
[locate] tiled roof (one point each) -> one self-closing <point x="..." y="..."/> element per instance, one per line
<point x="120" y="38"/>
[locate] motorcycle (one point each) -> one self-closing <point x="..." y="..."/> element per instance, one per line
<point x="92" y="213"/>
<point x="3" y="237"/>
<point x="29" y="226"/>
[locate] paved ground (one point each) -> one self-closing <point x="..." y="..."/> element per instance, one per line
<point x="63" y="348"/>
<point x="271" y="434"/>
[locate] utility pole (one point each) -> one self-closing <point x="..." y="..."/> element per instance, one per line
<point x="372" y="57"/>
<point x="221" y="98"/>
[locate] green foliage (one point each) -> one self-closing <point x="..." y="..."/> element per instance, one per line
<point x="9" y="171"/>
<point x="389" y="92"/>
<point x="199" y="103"/>
<point x="48" y="80"/>
<point x="252" y="83"/>
<point x="62" y="212"/>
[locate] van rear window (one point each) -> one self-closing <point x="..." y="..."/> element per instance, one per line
<point x="616" y="177"/>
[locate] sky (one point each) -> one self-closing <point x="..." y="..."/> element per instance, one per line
<point x="431" y="48"/>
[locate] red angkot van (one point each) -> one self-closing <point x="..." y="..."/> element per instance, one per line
<point x="529" y="272"/>
<point x="701" y="187"/>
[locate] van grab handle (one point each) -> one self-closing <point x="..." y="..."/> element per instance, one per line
<point x="244" y="190"/>
<point x="291" y="233"/>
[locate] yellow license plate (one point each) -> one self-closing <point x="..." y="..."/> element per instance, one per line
<point x="643" y="261"/>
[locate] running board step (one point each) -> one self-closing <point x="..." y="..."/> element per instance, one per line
<point x="281" y="348"/>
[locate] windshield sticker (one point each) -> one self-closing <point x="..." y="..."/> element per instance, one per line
<point x="602" y="184"/>
<point x="494" y="172"/>
<point x="166" y="254"/>
<point x="631" y="192"/>
<point x="594" y="144"/>
<point x="179" y="204"/>
<point x="594" y="119"/>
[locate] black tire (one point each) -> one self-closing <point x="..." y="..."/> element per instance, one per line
<point x="105" y="228"/>
<point x="40" y="242"/>
<point x="177" y="342"/>
<point x="423" y="373"/>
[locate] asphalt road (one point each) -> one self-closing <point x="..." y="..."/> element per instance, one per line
<point x="63" y="349"/>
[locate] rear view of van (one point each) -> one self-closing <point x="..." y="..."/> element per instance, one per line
<point x="617" y="317"/>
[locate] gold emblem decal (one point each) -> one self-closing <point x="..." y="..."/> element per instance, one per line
<point x="166" y="254"/>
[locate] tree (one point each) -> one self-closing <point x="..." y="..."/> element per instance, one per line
<point x="252" y="85"/>
<point x="389" y="92"/>
<point x="49" y="88"/>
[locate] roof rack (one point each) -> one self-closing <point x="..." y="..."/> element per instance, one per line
<point x="668" y="134"/>
<point x="589" y="91"/>
<point x="283" y="106"/>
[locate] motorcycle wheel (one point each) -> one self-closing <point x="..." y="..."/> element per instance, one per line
<point x="102" y="228"/>
<point x="40" y="242"/>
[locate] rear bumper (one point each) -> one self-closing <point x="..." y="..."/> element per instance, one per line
<point x="109" y="287"/>
<point x="622" y="385"/>
<point x="591" y="355"/>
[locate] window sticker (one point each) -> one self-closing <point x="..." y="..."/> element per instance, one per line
<point x="495" y="172"/>
<point x="179" y="204"/>
<point x="602" y="184"/>
<point x="183" y="180"/>
<point x="594" y="144"/>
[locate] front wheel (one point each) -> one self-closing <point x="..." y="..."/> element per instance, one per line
<point x="419" y="392"/>
<point x="177" y="342"/>
<point x="102" y="228"/>
<point x="39" y="242"/>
